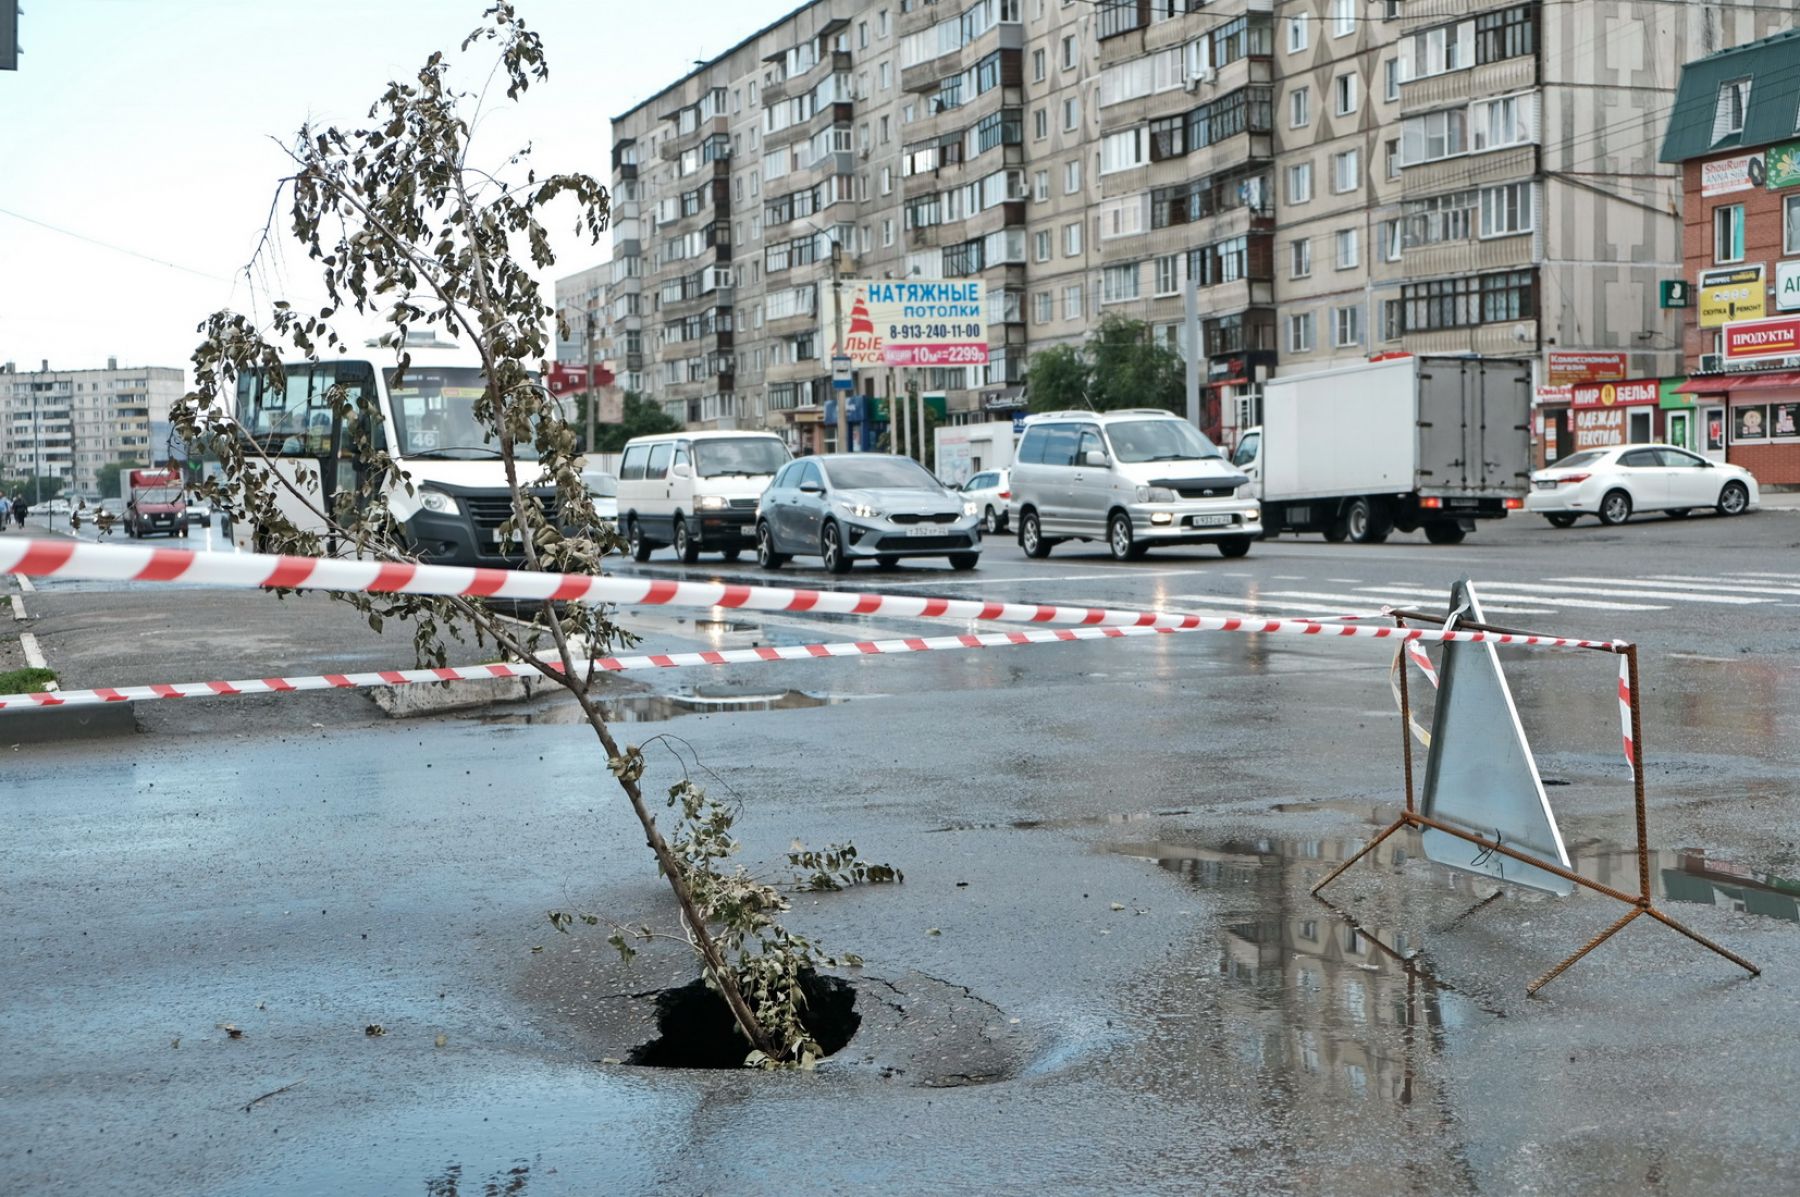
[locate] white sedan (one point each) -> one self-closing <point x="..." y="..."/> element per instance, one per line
<point x="988" y="493"/>
<point x="1610" y="484"/>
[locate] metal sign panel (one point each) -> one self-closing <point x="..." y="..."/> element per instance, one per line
<point x="916" y="322"/>
<point x="1480" y="774"/>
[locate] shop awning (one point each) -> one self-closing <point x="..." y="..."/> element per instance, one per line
<point x="1713" y="385"/>
<point x="1774" y="380"/>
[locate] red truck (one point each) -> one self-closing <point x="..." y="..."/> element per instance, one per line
<point x="154" y="502"/>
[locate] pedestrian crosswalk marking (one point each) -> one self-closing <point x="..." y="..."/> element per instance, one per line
<point x="1623" y="589"/>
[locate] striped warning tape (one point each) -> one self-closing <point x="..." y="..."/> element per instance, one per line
<point x="406" y="677"/>
<point x="1625" y="705"/>
<point x="52" y="558"/>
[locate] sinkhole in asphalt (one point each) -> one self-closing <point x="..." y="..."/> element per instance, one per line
<point x="696" y="1030"/>
<point x="659" y="708"/>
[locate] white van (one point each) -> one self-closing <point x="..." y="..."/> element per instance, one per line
<point x="696" y="491"/>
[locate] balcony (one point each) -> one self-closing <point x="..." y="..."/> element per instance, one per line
<point x="1488" y="79"/>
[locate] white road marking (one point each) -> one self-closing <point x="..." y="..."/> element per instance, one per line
<point x="18" y="606"/>
<point x="1688" y="582"/>
<point x="1752" y="575"/>
<point x="24" y="583"/>
<point x="1345" y="581"/>
<point x="1486" y="591"/>
<point x="1612" y="591"/>
<point x="1343" y="604"/>
<point x="34" y="656"/>
<point x="1397" y="594"/>
<point x="1121" y="575"/>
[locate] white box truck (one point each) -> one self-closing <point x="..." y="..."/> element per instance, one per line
<point x="964" y="450"/>
<point x="1406" y="443"/>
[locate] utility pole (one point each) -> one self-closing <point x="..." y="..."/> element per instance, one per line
<point x="1193" y="349"/>
<point x="593" y="398"/>
<point x="837" y="321"/>
<point x="901" y="434"/>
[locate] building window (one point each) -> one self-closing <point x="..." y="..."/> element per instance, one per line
<point x="1502" y="122"/>
<point x="1037" y="66"/>
<point x="1119" y="283"/>
<point x="1168" y="138"/>
<point x="1123" y="150"/>
<point x="1071" y="239"/>
<point x="1346" y="326"/>
<point x="1346" y="171"/>
<point x="1506" y="210"/>
<point x="1168" y="275"/>
<point x="1434" y="135"/>
<point x="1343" y="18"/>
<point x="1298" y="105"/>
<point x="1043" y="307"/>
<point x="1349" y="249"/>
<point x="1728" y="113"/>
<point x="1440" y="218"/>
<point x="1468" y="301"/>
<point x="1069" y="47"/>
<point x="1299" y="183"/>
<point x="1392" y="149"/>
<point x="1072" y="302"/>
<point x="1072" y="177"/>
<point x="1040" y="246"/>
<point x="1392" y="240"/>
<point x="1728" y="233"/>
<point x="1071" y="114"/>
<point x="1344" y="94"/>
<point x="1296" y="34"/>
<point x="1435" y="51"/>
<point x="1300" y="253"/>
<point x="887" y="178"/>
<point x="1040" y="125"/>
<point x="1390" y="75"/>
<point x="1300" y="332"/>
<point x="1790" y="235"/>
<point x="1393" y="319"/>
<point x="1509" y="33"/>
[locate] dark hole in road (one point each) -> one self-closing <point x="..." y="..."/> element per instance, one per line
<point x="697" y="1030"/>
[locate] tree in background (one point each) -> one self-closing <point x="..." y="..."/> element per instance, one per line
<point x="642" y="417"/>
<point x="109" y="477"/>
<point x="1121" y="365"/>
<point x="42" y="487"/>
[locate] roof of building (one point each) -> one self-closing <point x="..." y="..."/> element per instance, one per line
<point x="1772" y="113"/>
<point x="700" y="68"/>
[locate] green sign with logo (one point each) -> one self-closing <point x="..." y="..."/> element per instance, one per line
<point x="1674" y="293"/>
<point x="1783" y="166"/>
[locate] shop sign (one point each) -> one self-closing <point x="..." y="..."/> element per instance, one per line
<point x="1599" y="427"/>
<point x="1787" y="286"/>
<point x="1570" y="369"/>
<point x="1731" y="174"/>
<point x="1754" y="339"/>
<point x="1619" y="394"/>
<point x="1784" y="166"/>
<point x="1765" y="422"/>
<point x="1735" y="294"/>
<point x="1552" y="396"/>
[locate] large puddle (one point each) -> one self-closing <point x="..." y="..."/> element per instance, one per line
<point x="660" y="708"/>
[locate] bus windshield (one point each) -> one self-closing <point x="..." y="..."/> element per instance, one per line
<point x="751" y="456"/>
<point x="434" y="414"/>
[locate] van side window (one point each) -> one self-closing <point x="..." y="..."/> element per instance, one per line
<point x="681" y="455"/>
<point x="1059" y="445"/>
<point x="658" y="466"/>
<point x="1031" y="449"/>
<point x="1090" y="442"/>
<point x="631" y="469"/>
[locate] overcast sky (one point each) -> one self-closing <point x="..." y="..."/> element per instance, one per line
<point x="146" y="125"/>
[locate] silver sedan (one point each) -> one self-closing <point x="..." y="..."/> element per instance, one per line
<point x="841" y="507"/>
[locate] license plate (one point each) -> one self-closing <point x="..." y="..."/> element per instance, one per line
<point x="923" y="530"/>
<point x="1210" y="521"/>
<point x="1545" y="485"/>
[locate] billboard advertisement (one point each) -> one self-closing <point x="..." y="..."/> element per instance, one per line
<point x="915" y="322"/>
<point x="1568" y="369"/>
<point x="1734" y="294"/>
<point x="1727" y="175"/>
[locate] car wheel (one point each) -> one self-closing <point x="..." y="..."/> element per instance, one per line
<point x="1235" y="548"/>
<point x="1444" y="533"/>
<point x="766" y="556"/>
<point x="640" y="548"/>
<point x="1734" y="499"/>
<point x="964" y="561"/>
<point x="1338" y="530"/>
<point x="1031" y="537"/>
<point x="1119" y="538"/>
<point x="1561" y="519"/>
<point x="990" y="523"/>
<point x="1615" y="508"/>
<point x="1366" y="522"/>
<point x="831" y="549"/>
<point x="887" y="561"/>
<point x="685" y="548"/>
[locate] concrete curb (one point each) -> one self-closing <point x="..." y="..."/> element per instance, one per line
<point x="440" y="698"/>
<point x="49" y="724"/>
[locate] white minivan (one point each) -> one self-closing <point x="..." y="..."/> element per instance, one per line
<point x="696" y="491"/>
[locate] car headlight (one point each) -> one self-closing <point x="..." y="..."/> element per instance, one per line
<point x="860" y="510"/>
<point x="709" y="502"/>
<point x="438" y="501"/>
<point x="1155" y="494"/>
<point x="971" y="509"/>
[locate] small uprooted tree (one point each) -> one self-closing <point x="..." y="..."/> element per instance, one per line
<point x="406" y="230"/>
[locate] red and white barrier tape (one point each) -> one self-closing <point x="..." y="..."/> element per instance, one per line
<point x="1625" y="705"/>
<point x="66" y="559"/>
<point x="403" y="677"/>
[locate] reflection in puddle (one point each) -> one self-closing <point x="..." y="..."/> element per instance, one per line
<point x="658" y="708"/>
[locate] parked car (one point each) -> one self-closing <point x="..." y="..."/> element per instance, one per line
<point x="57" y="506"/>
<point x="603" y="488"/>
<point x="845" y="507"/>
<point x="1132" y="479"/>
<point x="199" y="511"/>
<point x="1612" y="484"/>
<point x="695" y="491"/>
<point x="989" y="492"/>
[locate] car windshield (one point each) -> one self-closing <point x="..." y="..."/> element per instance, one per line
<point x="604" y="485"/>
<point x="434" y="414"/>
<point x="1585" y="457"/>
<point x="751" y="456"/>
<point x="1160" y="440"/>
<point x="158" y="494"/>
<point x="874" y="473"/>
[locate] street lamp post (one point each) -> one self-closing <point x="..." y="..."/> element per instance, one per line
<point x="837" y="320"/>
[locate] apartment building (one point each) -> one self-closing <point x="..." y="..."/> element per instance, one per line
<point x="69" y="423"/>
<point x="580" y="307"/>
<point x="1339" y="179"/>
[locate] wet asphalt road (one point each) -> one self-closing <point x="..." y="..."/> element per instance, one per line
<point x="1113" y="843"/>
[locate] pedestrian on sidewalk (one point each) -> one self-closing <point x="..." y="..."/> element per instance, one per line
<point x="5" y="510"/>
<point x="21" y="508"/>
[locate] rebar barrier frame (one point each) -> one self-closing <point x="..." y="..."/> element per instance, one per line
<point x="1642" y="903"/>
